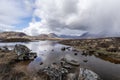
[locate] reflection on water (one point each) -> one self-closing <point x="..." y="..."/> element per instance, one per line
<point x="50" y="51"/>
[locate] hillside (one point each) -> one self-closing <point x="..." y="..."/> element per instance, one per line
<point x="11" y="34"/>
<point x="14" y="37"/>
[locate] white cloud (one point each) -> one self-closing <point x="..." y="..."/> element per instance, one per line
<point x="13" y="11"/>
<point x="94" y="16"/>
<point x="37" y="28"/>
<point x="4" y="27"/>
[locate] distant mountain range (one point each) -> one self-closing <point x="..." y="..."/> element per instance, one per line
<point x="18" y="35"/>
<point x="9" y="35"/>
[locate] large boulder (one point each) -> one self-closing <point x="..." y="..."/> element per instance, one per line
<point x="24" y="53"/>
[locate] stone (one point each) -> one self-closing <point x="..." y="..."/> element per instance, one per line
<point x="24" y="53"/>
<point x="75" y="54"/>
<point x="86" y="74"/>
<point x="54" y="74"/>
<point x="41" y="63"/>
<point x="71" y="62"/>
<point x="4" y="49"/>
<point x="85" y="60"/>
<point x="63" y="48"/>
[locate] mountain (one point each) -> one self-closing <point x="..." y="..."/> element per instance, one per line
<point x="52" y="35"/>
<point x="99" y="35"/>
<point x="43" y="36"/>
<point x="11" y="34"/>
<point x="69" y="36"/>
<point x="47" y="36"/>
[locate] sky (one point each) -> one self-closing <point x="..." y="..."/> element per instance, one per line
<point x="70" y="17"/>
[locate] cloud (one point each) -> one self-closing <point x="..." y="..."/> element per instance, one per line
<point x="12" y="12"/>
<point x="93" y="16"/>
<point x="4" y="27"/>
<point x="36" y="28"/>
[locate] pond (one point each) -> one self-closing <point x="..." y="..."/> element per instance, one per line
<point x="50" y="51"/>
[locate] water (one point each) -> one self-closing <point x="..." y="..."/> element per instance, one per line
<point x="50" y="51"/>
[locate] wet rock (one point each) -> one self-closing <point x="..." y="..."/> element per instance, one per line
<point x="75" y="50"/>
<point x="85" y="60"/>
<point x="68" y="48"/>
<point x="54" y="73"/>
<point x="75" y="54"/>
<point x="4" y="49"/>
<point x="24" y="53"/>
<point x="63" y="49"/>
<point x="86" y="74"/>
<point x="71" y="62"/>
<point x="41" y="63"/>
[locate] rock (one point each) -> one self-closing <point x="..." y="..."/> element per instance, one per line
<point x="71" y="62"/>
<point x="86" y="74"/>
<point x="24" y="53"/>
<point x="54" y="74"/>
<point x="85" y="60"/>
<point x="75" y="54"/>
<point x="68" y="48"/>
<point x="41" y="63"/>
<point x="63" y="48"/>
<point x="4" y="49"/>
<point x="75" y="50"/>
<point x="74" y="63"/>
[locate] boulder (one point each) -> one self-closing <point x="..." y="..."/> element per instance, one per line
<point x="24" y="53"/>
<point x="86" y="74"/>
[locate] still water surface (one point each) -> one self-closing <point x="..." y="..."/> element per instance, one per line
<point x="50" y="51"/>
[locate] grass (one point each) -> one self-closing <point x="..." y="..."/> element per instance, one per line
<point x="11" y="69"/>
<point x="16" y="40"/>
<point x="98" y="46"/>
